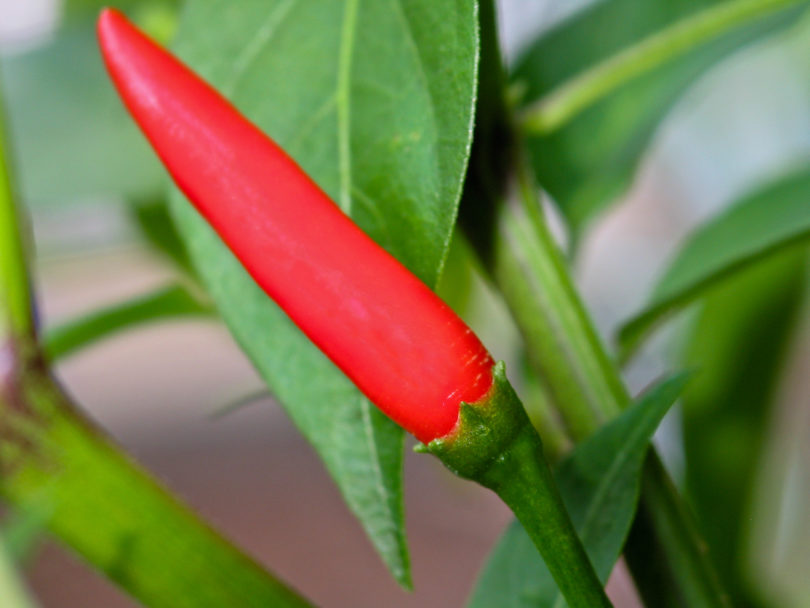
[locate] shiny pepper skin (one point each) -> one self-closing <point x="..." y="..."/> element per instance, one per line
<point x="404" y="348"/>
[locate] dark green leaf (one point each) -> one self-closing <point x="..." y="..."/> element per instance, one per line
<point x="599" y="483"/>
<point x="91" y="8"/>
<point x="374" y="99"/>
<point x="761" y="224"/>
<point x="152" y="217"/>
<point x="71" y="135"/>
<point x="166" y="303"/>
<point x="591" y="161"/>
<point x="738" y="347"/>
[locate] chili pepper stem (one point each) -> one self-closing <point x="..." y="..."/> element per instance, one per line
<point x="496" y="445"/>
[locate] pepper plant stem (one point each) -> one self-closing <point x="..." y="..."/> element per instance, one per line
<point x="16" y="315"/>
<point x="562" y="104"/>
<point x="516" y="248"/>
<point x="111" y="512"/>
<point x="496" y="445"/>
<point x="12" y="589"/>
<point x="517" y="479"/>
<point x="588" y="387"/>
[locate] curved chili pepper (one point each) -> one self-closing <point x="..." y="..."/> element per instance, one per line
<point x="390" y="334"/>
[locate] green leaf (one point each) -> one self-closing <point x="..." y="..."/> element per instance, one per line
<point x="71" y="135"/>
<point x="91" y="8"/>
<point x="158" y="18"/>
<point x="153" y="219"/>
<point x="590" y="161"/>
<point x="738" y="345"/>
<point x="760" y="225"/>
<point x="599" y="483"/>
<point x="165" y="303"/>
<point x="374" y="100"/>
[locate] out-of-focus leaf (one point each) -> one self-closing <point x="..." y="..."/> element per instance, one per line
<point x="374" y="100"/>
<point x="90" y="8"/>
<point x="71" y="136"/>
<point x="591" y="161"/>
<point x="457" y="281"/>
<point x="23" y="529"/>
<point x="599" y="483"/>
<point x="758" y="226"/>
<point x="166" y="303"/>
<point x="738" y="347"/>
<point x="158" y="18"/>
<point x="153" y="218"/>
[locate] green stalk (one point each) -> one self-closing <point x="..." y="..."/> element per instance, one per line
<point x="496" y="445"/>
<point x="566" y="351"/>
<point x="112" y="513"/>
<point x="12" y="590"/>
<point x="16" y="317"/>
<point x="516" y="248"/>
<point x="559" y="106"/>
<point x="523" y="480"/>
<point x="531" y="271"/>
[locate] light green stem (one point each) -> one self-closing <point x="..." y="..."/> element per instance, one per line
<point x="561" y="342"/>
<point x="12" y="591"/>
<point x="582" y="375"/>
<point x="16" y="318"/>
<point x="516" y="248"/>
<point x="113" y="513"/>
<point x="495" y="445"/>
<point x="560" y="105"/>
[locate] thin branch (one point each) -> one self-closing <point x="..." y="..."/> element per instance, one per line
<point x="565" y="102"/>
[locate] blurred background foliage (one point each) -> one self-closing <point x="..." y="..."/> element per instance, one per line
<point x="641" y="184"/>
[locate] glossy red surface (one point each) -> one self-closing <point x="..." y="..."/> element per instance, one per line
<point x="398" y="342"/>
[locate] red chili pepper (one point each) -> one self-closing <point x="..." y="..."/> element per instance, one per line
<point x="398" y="342"/>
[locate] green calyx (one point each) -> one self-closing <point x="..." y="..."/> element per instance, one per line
<point x="484" y="432"/>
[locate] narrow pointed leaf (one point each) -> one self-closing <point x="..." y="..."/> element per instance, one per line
<point x="374" y="100"/>
<point x="760" y="225"/>
<point x="153" y="219"/>
<point x="166" y="303"/>
<point x="599" y="483"/>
